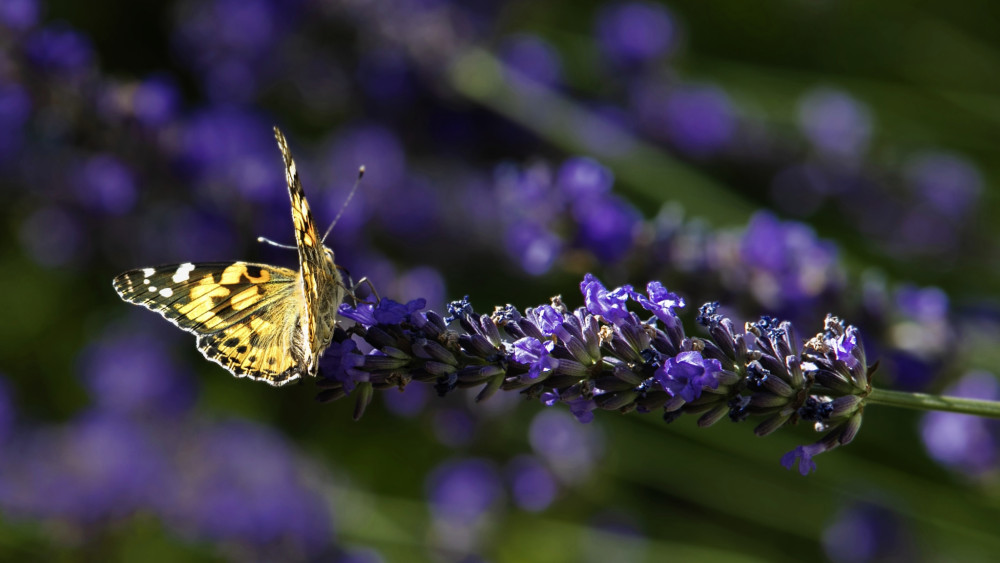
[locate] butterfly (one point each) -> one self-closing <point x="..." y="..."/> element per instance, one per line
<point x="258" y="321"/>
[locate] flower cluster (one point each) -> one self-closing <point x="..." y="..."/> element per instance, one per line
<point x="605" y="356"/>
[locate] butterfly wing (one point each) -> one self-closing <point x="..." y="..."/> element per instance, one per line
<point x="245" y="315"/>
<point x="322" y="283"/>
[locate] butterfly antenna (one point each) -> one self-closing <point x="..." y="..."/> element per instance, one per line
<point x="361" y="174"/>
<point x="266" y="240"/>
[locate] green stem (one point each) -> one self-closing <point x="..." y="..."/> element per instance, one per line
<point x="926" y="402"/>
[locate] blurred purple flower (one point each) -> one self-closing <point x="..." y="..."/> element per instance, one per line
<point x="409" y="402"/>
<point x="532" y="485"/>
<point x="948" y="182"/>
<point x="19" y="15"/>
<point x="924" y="304"/>
<point x="135" y="373"/>
<point x="635" y="32"/>
<point x="530" y="61"/>
<point x="607" y="226"/>
<point x="249" y="489"/>
<point x="687" y="374"/>
<point x="60" y="48"/>
<point x="699" y="119"/>
<point x="53" y="237"/>
<point x="225" y="148"/>
<point x="584" y="177"/>
<point x="569" y="448"/>
<point x="105" y="184"/>
<point x="97" y="467"/>
<point x="865" y="532"/>
<point x="795" y="264"/>
<point x="835" y="123"/>
<point x="156" y="101"/>
<point x="963" y="442"/>
<point x="461" y="491"/>
<point x="534" y="246"/>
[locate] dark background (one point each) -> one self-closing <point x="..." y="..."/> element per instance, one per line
<point x="139" y="133"/>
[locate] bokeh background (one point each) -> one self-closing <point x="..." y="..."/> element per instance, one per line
<point x="789" y="157"/>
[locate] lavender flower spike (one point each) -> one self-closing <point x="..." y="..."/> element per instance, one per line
<point x="622" y="351"/>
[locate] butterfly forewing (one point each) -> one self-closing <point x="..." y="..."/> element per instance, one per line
<point x="321" y="281"/>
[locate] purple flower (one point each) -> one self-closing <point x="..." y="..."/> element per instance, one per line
<point x="532" y="59"/>
<point x="341" y="361"/>
<point x="107" y="185"/>
<point x="844" y="347"/>
<point x="583" y="177"/>
<point x="835" y="123"/>
<point x="534" y="353"/>
<point x="609" y="304"/>
<point x="59" y="48"/>
<point x="19" y="15"/>
<point x="582" y="409"/>
<point x="661" y="302"/>
<point x="547" y="319"/>
<point x="687" y="374"/>
<point x="463" y="490"/>
<point x="532" y="485"/>
<point x="699" y="120"/>
<point x="964" y="442"/>
<point x="804" y="455"/>
<point x="635" y="32"/>
<point x="386" y="311"/>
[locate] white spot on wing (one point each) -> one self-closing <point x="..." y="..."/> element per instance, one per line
<point x="145" y="281"/>
<point x="183" y="272"/>
<point x="152" y="288"/>
<point x="148" y="272"/>
<point x="166" y="292"/>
